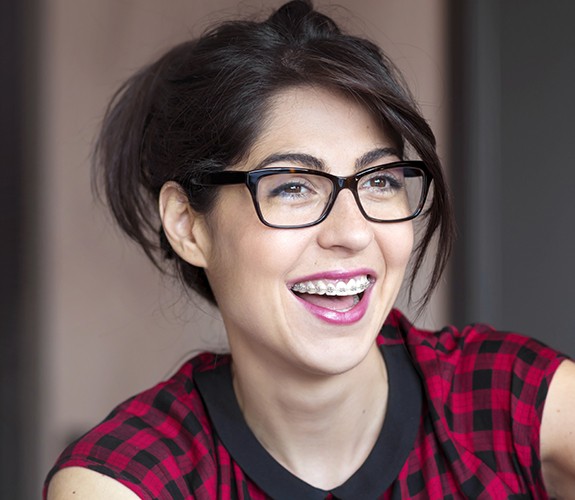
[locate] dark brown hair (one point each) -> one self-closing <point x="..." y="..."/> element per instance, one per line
<point x="200" y="108"/>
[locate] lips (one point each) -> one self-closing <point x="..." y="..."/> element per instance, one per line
<point x="340" y="298"/>
<point x="334" y="303"/>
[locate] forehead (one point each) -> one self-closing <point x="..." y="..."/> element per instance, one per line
<point x="318" y="122"/>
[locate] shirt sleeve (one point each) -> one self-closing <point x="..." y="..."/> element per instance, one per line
<point x="499" y="384"/>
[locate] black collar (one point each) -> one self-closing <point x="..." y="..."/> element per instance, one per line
<point x="371" y="480"/>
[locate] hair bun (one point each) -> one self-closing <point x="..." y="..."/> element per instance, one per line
<point x="299" y="16"/>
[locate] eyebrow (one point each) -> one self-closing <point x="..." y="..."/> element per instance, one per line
<point x="310" y="161"/>
<point x="373" y="156"/>
<point x="301" y="159"/>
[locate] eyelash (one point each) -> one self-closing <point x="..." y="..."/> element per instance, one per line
<point x="392" y="182"/>
<point x="283" y="189"/>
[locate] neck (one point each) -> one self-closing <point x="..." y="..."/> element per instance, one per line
<point x="320" y="428"/>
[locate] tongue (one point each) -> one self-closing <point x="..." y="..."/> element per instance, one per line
<point x="329" y="302"/>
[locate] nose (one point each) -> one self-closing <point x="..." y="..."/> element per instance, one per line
<point x="345" y="227"/>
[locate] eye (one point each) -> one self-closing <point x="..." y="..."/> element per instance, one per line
<point x="291" y="189"/>
<point x="382" y="183"/>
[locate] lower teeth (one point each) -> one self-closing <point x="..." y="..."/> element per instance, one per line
<point x="355" y="302"/>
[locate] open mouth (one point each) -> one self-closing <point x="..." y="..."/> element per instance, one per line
<point x="336" y="295"/>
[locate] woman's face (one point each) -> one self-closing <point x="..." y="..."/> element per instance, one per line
<point x="253" y="268"/>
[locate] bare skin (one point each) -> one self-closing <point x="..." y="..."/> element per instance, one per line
<point x="77" y="483"/>
<point x="323" y="434"/>
<point x="558" y="434"/>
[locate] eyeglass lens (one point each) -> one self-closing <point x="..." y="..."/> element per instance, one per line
<point x="291" y="199"/>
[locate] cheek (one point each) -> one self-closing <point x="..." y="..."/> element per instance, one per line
<point x="248" y="258"/>
<point x="248" y="275"/>
<point x="396" y="243"/>
<point x="260" y="253"/>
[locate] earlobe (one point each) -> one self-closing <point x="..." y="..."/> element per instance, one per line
<point x="184" y="228"/>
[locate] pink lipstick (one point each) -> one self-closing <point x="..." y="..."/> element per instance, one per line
<point x="337" y="297"/>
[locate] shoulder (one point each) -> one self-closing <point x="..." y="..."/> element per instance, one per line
<point x="558" y="433"/>
<point x="488" y="389"/>
<point x="475" y="347"/>
<point x="150" y="440"/>
<point x="481" y="368"/>
<point x="77" y="482"/>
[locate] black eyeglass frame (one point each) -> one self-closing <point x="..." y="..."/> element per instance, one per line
<point x="251" y="179"/>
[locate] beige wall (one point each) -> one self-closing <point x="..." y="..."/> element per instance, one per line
<point x="112" y="326"/>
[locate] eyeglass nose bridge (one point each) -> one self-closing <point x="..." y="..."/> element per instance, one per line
<point x="339" y="184"/>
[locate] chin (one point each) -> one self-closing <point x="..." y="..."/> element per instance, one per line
<point x="337" y="359"/>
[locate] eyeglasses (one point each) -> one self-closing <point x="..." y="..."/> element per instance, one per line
<point x="298" y="197"/>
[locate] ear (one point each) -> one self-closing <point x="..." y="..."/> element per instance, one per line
<point x="185" y="229"/>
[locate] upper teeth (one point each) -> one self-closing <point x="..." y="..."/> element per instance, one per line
<point x="328" y="287"/>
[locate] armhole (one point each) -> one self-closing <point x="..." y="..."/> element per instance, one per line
<point x="550" y="362"/>
<point x="546" y="381"/>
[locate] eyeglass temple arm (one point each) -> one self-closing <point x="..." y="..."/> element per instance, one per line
<point x="221" y="178"/>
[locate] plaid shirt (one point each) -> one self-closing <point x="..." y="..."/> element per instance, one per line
<point x="463" y="422"/>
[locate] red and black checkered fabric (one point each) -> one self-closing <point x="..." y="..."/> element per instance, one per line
<point x="478" y="437"/>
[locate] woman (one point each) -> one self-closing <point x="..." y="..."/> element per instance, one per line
<point x="279" y="156"/>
